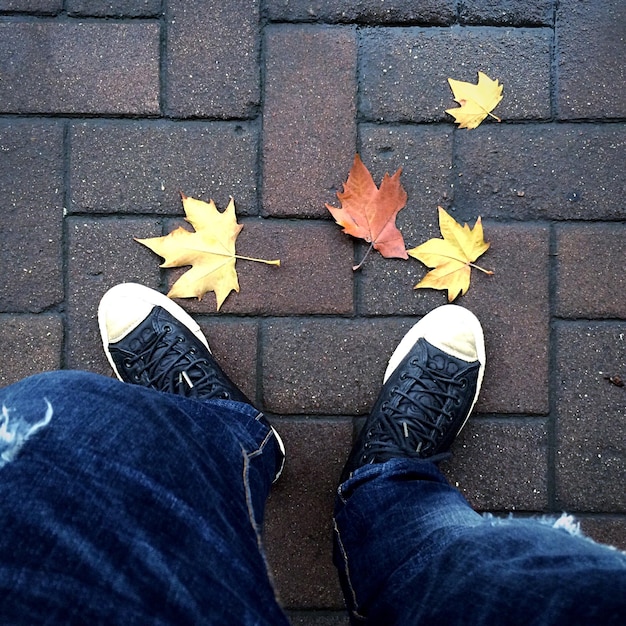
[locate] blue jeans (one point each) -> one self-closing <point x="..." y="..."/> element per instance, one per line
<point x="122" y="505"/>
<point x="130" y="506"/>
<point x="410" y="550"/>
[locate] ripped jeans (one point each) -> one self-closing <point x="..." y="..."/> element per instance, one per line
<point x="410" y="550"/>
<point x="123" y="505"/>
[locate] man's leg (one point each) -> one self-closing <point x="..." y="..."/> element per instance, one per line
<point x="409" y="548"/>
<point x="129" y="505"/>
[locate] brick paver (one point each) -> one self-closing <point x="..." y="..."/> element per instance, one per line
<point x="591" y="281"/>
<point x="309" y="117"/>
<point x="109" y="110"/>
<point x="329" y="367"/>
<point x="425" y="11"/>
<point x="507" y="12"/>
<point x="240" y="365"/>
<point x="513" y="476"/>
<point x="542" y="171"/>
<point x="590" y="58"/>
<point x="404" y="71"/>
<point x="31" y="6"/>
<point x="298" y="528"/>
<point x="590" y="416"/>
<point x="73" y="67"/>
<point x="31" y="188"/>
<point x="142" y="167"/>
<point x="30" y="344"/>
<point x="212" y="59"/>
<point x="113" y="8"/>
<point x="101" y="254"/>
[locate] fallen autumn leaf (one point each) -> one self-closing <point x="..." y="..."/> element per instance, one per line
<point x="368" y="212"/>
<point x="210" y="251"/>
<point x="452" y="257"/>
<point x="477" y="101"/>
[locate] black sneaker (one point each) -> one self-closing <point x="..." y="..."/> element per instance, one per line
<point x="151" y="341"/>
<point x="429" y="390"/>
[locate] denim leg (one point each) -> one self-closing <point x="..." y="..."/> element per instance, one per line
<point x="126" y="505"/>
<point x="386" y="515"/>
<point x="410" y="550"/>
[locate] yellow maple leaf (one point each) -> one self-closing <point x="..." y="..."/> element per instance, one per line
<point x="477" y="101"/>
<point x="452" y="257"/>
<point x="210" y="251"/>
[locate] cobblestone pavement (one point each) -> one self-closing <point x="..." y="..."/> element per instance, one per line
<point x="109" y="109"/>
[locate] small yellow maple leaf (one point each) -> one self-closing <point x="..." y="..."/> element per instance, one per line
<point x="477" y="101"/>
<point x="210" y="251"/>
<point x="452" y="257"/>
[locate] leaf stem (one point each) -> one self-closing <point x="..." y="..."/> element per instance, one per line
<point x="489" y="272"/>
<point x="358" y="267"/>
<point x="249" y="258"/>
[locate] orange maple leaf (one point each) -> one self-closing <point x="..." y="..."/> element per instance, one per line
<point x="452" y="257"/>
<point x="368" y="212"/>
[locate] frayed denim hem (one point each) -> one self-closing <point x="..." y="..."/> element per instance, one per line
<point x="565" y="522"/>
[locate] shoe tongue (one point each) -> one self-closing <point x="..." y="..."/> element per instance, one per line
<point x="443" y="363"/>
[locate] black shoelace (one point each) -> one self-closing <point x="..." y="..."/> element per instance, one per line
<point x="167" y="363"/>
<point x="414" y="417"/>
